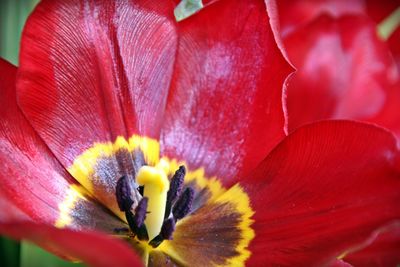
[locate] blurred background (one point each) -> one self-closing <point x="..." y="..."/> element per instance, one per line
<point x="13" y="14"/>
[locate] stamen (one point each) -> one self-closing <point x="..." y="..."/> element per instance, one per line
<point x="141" y="232"/>
<point x="123" y="194"/>
<point x="140" y="212"/>
<point x="136" y="221"/>
<point x="175" y="188"/>
<point x="184" y="204"/>
<point x="168" y="229"/>
<point x="176" y="184"/>
<point x="151" y="218"/>
<point x="166" y="233"/>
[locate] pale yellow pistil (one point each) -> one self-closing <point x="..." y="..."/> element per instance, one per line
<point x="156" y="185"/>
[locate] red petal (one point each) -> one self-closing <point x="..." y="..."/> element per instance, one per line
<point x="92" y="248"/>
<point x="30" y="177"/>
<point x="94" y="70"/>
<point x="224" y="111"/>
<point x="380" y="10"/>
<point x="340" y="263"/>
<point x="323" y="190"/>
<point x="344" y="72"/>
<point x="384" y="251"/>
<point x="296" y="14"/>
<point x="274" y="19"/>
<point x="10" y="212"/>
<point x="22" y="153"/>
<point x="7" y="77"/>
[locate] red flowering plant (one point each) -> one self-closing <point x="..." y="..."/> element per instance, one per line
<point x="121" y="121"/>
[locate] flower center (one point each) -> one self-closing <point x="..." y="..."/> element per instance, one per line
<point x="160" y="202"/>
<point x="202" y="224"/>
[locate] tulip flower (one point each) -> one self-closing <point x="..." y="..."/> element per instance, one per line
<point x="171" y="136"/>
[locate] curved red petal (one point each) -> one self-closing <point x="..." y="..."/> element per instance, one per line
<point x="31" y="178"/>
<point x="296" y="14"/>
<point x="22" y="153"/>
<point x="8" y="73"/>
<point x="274" y="20"/>
<point x="224" y="111"/>
<point x="10" y="212"/>
<point x="382" y="252"/>
<point x="326" y="188"/>
<point x="344" y="72"/>
<point x="92" y="248"/>
<point x="340" y="263"/>
<point x="380" y="10"/>
<point x="94" y="70"/>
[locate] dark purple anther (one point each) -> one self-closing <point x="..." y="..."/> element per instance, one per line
<point x="140" y="212"/>
<point x="136" y="221"/>
<point x="123" y="194"/>
<point x="184" y="204"/>
<point x="168" y="229"/>
<point x="175" y="187"/>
